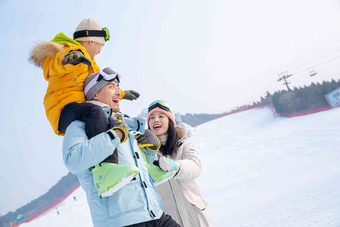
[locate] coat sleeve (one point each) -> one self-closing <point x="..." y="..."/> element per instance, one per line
<point x="150" y="155"/>
<point x="80" y="153"/>
<point x="190" y="162"/>
<point x="52" y="65"/>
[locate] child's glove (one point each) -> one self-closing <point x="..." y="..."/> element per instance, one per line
<point x="149" y="140"/>
<point x="75" y="57"/>
<point x="168" y="164"/>
<point x="131" y="95"/>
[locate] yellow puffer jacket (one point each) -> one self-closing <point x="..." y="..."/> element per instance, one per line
<point x="65" y="82"/>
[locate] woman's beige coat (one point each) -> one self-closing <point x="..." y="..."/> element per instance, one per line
<point x="180" y="195"/>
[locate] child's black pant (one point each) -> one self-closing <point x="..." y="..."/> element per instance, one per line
<point x="93" y="115"/>
<point x="96" y="121"/>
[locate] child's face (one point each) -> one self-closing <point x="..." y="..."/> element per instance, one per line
<point x="93" y="48"/>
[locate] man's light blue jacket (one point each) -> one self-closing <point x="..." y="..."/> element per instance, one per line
<point x="136" y="202"/>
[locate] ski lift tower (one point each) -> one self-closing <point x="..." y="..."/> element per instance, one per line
<point x="284" y="76"/>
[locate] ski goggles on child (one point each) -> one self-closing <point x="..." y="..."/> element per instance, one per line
<point x="106" y="74"/>
<point x="161" y="104"/>
<point x="93" y="33"/>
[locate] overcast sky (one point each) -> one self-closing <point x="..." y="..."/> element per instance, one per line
<point x="201" y="56"/>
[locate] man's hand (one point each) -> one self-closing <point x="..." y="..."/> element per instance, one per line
<point x="75" y="57"/>
<point x="119" y="127"/>
<point x="148" y="139"/>
<point x="167" y="164"/>
<point x="113" y="122"/>
<point x="121" y="131"/>
<point x="131" y="95"/>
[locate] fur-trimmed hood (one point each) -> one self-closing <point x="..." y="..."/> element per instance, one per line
<point x="181" y="132"/>
<point x="42" y="50"/>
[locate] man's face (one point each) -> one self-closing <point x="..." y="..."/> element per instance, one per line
<point x="110" y="95"/>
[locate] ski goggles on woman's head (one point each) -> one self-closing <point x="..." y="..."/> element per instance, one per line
<point x="161" y="104"/>
<point x="93" y="33"/>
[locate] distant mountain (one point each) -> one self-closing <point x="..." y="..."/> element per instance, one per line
<point x="61" y="188"/>
<point x="190" y="119"/>
<point x="197" y="119"/>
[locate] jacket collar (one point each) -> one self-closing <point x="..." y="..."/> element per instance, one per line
<point x="61" y="38"/>
<point x="106" y="108"/>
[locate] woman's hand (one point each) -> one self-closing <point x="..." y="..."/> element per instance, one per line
<point x="148" y="139"/>
<point x="168" y="164"/>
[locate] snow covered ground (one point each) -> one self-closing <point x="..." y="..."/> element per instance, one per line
<point x="259" y="170"/>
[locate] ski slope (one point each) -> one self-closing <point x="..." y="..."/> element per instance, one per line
<point x="258" y="170"/>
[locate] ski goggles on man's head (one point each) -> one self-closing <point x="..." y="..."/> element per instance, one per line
<point x="106" y="74"/>
<point x="93" y="33"/>
<point x="161" y="104"/>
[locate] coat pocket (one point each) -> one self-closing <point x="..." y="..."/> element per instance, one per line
<point x="199" y="204"/>
<point x="127" y="199"/>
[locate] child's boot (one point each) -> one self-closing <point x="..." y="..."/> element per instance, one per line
<point x="160" y="175"/>
<point x="110" y="177"/>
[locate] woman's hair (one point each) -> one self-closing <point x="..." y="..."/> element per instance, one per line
<point x="171" y="145"/>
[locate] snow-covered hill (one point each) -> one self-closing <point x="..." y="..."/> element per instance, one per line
<point x="258" y="171"/>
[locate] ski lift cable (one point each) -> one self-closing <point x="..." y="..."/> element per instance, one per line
<point x="270" y="84"/>
<point x="317" y="65"/>
<point x="298" y="68"/>
<point x="257" y="93"/>
<point x="316" y="59"/>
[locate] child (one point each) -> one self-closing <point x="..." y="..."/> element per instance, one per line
<point x="60" y="60"/>
<point x="66" y="64"/>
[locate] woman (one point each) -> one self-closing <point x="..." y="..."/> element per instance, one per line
<point x="180" y="195"/>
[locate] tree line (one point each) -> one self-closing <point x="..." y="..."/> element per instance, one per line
<point x="300" y="99"/>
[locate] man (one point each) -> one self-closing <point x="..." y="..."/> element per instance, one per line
<point x="137" y="203"/>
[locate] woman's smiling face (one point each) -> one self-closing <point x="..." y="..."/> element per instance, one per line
<point x="159" y="123"/>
